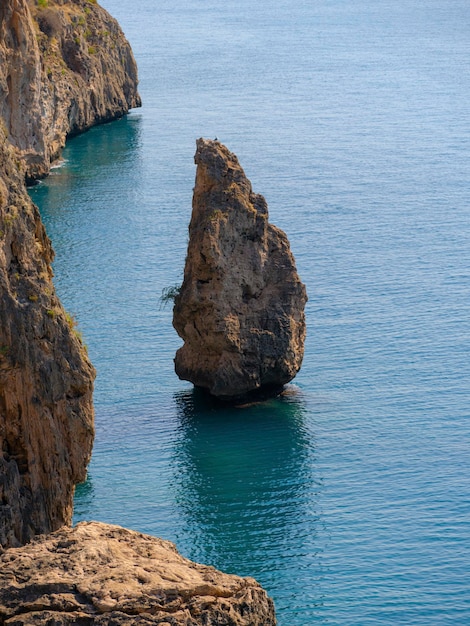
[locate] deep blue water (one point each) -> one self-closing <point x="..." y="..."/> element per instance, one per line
<point x="348" y="499"/>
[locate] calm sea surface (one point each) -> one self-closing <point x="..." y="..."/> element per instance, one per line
<point x="349" y="498"/>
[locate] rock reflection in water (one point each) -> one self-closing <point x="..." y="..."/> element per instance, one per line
<point x="246" y="484"/>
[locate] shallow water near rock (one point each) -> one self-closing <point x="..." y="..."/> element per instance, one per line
<point x="348" y="497"/>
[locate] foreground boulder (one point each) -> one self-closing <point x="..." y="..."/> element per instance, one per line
<point x="240" y="310"/>
<point x="101" y="574"/>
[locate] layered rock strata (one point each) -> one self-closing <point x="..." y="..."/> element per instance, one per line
<point x="46" y="379"/>
<point x="65" y="66"/>
<point x="240" y="310"/>
<point x="101" y="574"/>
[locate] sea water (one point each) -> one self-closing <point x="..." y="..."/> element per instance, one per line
<point x="349" y="497"/>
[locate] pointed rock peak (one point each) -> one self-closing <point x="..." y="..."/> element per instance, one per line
<point x="218" y="161"/>
<point x="240" y="310"/>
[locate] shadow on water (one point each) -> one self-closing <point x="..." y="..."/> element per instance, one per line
<point x="246" y="483"/>
<point x="84" y="497"/>
<point x="87" y="158"/>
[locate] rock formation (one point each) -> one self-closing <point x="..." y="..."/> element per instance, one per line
<point x="240" y="310"/>
<point x="46" y="379"/>
<point x="64" y="66"/>
<point x="101" y="574"/>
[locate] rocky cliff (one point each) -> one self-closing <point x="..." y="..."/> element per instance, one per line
<point x="65" y="66"/>
<point x="240" y="310"/>
<point x="101" y="574"/>
<point x="46" y="379"/>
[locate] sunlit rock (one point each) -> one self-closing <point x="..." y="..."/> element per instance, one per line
<point x="240" y="310"/>
<point x="106" y="575"/>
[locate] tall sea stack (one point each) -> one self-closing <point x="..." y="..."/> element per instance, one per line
<point x="240" y="310"/>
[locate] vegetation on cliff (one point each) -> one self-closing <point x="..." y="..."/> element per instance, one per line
<point x="65" y="65"/>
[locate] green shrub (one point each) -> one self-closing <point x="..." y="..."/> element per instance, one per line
<point x="169" y="294"/>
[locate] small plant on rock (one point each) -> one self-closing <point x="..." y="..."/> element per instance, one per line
<point x="169" y="294"/>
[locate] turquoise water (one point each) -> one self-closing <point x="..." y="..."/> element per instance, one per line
<point x="349" y="498"/>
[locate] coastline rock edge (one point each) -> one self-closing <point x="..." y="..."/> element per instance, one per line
<point x="46" y="378"/>
<point x="101" y="574"/>
<point x="64" y="67"/>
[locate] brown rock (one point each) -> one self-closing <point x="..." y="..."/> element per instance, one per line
<point x="60" y="74"/>
<point x="101" y="574"/>
<point x="46" y="379"/>
<point x="240" y="310"/>
<point x="63" y="68"/>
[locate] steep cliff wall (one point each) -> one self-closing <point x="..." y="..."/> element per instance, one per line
<point x="46" y="379"/>
<point x="65" y="66"/>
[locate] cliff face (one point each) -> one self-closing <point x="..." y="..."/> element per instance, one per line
<point x="46" y="379"/>
<point x="64" y="67"/>
<point x="65" y="579"/>
<point x="240" y="310"/>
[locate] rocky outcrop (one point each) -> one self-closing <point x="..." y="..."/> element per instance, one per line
<point x="65" y="66"/>
<point x="46" y="379"/>
<point x="240" y="310"/>
<point x="101" y="574"/>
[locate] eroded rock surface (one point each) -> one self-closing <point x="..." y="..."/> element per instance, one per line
<point x="65" y="66"/>
<point x="101" y="574"/>
<point x="46" y="379"/>
<point x="240" y="310"/>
